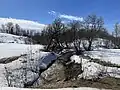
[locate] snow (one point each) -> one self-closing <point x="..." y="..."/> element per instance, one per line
<point x="14" y="49"/>
<point x="80" y="88"/>
<point x="9" y="38"/>
<point x="108" y="55"/>
<point x="20" y="70"/>
<point x="75" y="58"/>
<point x="92" y="70"/>
<point x="25" y="24"/>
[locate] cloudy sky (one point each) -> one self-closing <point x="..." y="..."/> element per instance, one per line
<point x="45" y="11"/>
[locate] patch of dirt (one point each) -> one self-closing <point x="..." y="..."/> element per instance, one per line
<point x="105" y="83"/>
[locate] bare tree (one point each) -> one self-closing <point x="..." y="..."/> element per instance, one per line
<point x="10" y="27"/>
<point x="117" y="30"/>
<point x="3" y="29"/>
<point x="116" y="35"/>
<point x="53" y="32"/>
<point x="76" y="35"/>
<point x="92" y="25"/>
<point x="17" y="29"/>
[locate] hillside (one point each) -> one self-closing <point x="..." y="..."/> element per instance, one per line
<point x="24" y="24"/>
<point x="9" y="38"/>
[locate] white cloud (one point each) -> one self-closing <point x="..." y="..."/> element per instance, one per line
<point x="70" y="17"/>
<point x="65" y="21"/>
<point x="52" y="13"/>
<point x="65" y="16"/>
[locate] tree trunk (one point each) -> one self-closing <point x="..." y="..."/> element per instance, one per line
<point x="90" y="45"/>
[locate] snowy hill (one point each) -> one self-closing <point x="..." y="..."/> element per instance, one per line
<point x="9" y="38"/>
<point x="25" y="24"/>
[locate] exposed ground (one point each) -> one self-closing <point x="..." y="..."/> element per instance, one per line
<point x="105" y="83"/>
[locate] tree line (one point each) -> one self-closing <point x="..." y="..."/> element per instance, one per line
<point x="60" y="35"/>
<point x="15" y="29"/>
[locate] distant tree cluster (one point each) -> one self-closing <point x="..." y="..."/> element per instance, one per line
<point x="15" y="29"/>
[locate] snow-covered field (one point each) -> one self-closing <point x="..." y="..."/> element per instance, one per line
<point x="9" y="38"/>
<point x="13" y="45"/>
<point x="14" y="49"/>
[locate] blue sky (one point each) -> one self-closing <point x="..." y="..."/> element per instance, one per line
<point x="37" y="10"/>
